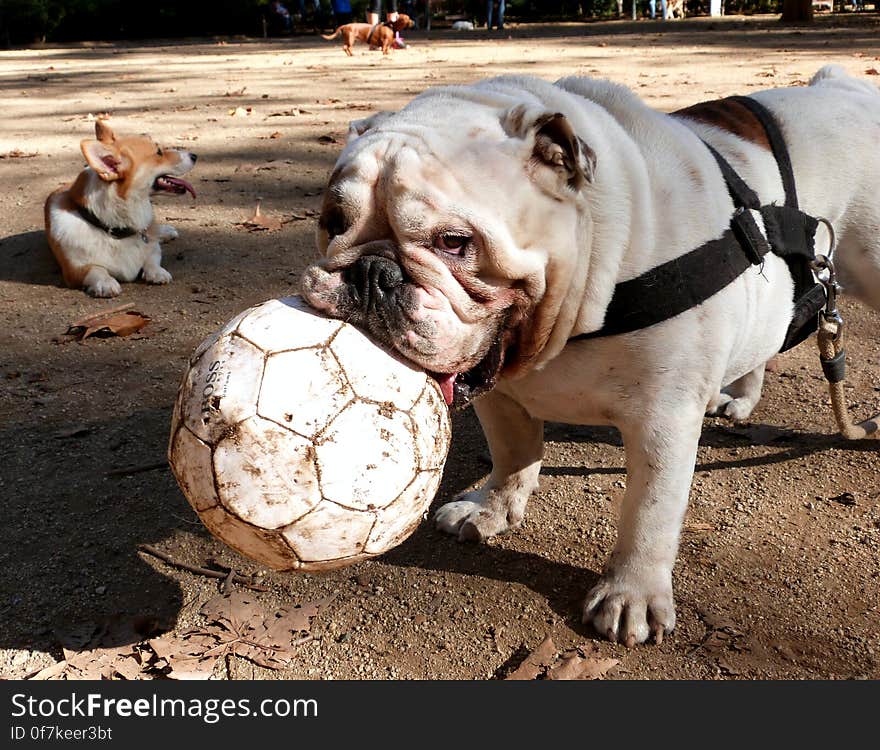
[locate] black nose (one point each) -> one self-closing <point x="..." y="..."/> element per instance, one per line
<point x="194" y="157"/>
<point x="372" y="279"/>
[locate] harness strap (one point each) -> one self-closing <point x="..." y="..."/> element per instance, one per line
<point x="741" y="194"/>
<point x="777" y="145"/>
<point x="689" y="280"/>
<point x="673" y="287"/>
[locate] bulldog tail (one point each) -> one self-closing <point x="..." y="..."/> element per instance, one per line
<point x="332" y="36"/>
<point x="835" y="75"/>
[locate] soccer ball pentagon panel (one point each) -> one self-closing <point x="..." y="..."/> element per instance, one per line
<point x="303" y="444"/>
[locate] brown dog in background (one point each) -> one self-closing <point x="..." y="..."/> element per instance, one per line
<point x="378" y="35"/>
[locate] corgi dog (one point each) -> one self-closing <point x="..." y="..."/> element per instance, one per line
<point x="101" y="228"/>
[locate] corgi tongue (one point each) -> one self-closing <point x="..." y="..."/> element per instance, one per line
<point x="182" y="183"/>
<point x="447" y="384"/>
<point x="177" y="185"/>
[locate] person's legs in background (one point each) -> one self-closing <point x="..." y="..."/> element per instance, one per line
<point x="652" y="4"/>
<point x="373" y="12"/>
<point x="499" y="19"/>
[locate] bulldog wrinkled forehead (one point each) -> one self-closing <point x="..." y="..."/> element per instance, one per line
<point x="473" y="131"/>
<point x="421" y="150"/>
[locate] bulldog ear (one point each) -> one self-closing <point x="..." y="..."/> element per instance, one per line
<point x="555" y="144"/>
<point x="358" y="127"/>
<point x="104" y="158"/>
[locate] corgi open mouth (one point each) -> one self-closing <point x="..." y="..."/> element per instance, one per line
<point x="168" y="184"/>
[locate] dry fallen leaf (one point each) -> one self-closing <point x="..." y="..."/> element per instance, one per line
<point x="290" y="113"/>
<point x="237" y="624"/>
<point x="872" y="72"/>
<point x="19" y="154"/>
<point x="191" y="656"/>
<point x="111" y="323"/>
<point x="328" y="139"/>
<point x="582" y="663"/>
<point x="536" y="662"/>
<point x="240" y="111"/>
<point x="108" y="650"/>
<point x="259" y="222"/>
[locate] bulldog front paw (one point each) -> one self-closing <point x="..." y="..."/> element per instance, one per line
<point x="480" y="515"/>
<point x="156" y="275"/>
<point x="627" y="609"/>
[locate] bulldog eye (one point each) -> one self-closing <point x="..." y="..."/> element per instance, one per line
<point x="159" y="151"/>
<point x="452" y="244"/>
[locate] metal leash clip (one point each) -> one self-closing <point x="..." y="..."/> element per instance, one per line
<point x="823" y="267"/>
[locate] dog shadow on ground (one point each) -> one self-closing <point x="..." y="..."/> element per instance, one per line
<point x="26" y="259"/>
<point x="785" y="445"/>
<point x="563" y="585"/>
<point x="560" y="584"/>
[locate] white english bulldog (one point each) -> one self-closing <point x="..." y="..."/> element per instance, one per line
<point x="482" y="227"/>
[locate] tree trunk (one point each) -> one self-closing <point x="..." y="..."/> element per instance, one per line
<point x="797" y="11"/>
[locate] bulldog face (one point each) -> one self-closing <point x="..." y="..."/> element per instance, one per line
<point x="437" y="234"/>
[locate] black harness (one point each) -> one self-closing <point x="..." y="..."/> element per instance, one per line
<point x="689" y="280"/>
<point x="117" y="233"/>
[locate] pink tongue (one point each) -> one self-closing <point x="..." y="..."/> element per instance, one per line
<point x="183" y="183"/>
<point x="447" y="382"/>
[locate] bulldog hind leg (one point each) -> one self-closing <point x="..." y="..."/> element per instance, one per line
<point x="516" y="443"/>
<point x="738" y="400"/>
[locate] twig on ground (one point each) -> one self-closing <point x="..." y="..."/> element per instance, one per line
<point x="104" y="313"/>
<point x="128" y="470"/>
<point x="245" y="581"/>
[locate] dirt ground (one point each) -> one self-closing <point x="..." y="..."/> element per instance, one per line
<point x="778" y="572"/>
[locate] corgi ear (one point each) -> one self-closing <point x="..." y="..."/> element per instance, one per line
<point x="103" y="158"/>
<point x="104" y="133"/>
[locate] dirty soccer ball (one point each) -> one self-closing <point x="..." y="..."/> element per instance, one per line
<point x="303" y="444"/>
